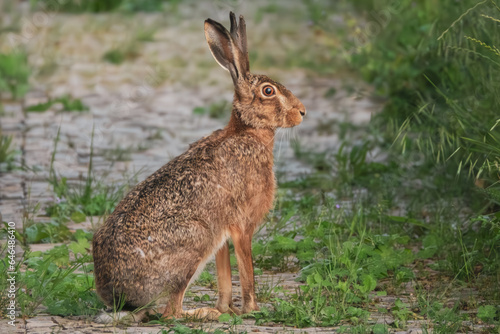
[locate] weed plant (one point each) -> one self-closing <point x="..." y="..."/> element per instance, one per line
<point x="50" y="279"/>
<point x="7" y="153"/>
<point x="68" y="104"/>
<point x="14" y="74"/>
<point x="56" y="281"/>
<point x="443" y="102"/>
<point x="119" y="55"/>
<point x="93" y="198"/>
<point x="73" y="202"/>
<point x="220" y="109"/>
<point x="96" y="6"/>
<point x="440" y="81"/>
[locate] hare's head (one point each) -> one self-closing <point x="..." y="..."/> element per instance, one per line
<point x="259" y="102"/>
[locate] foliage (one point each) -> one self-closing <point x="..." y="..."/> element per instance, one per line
<point x="96" y="6"/>
<point x="72" y="201"/>
<point x="119" y="55"/>
<point x="487" y="313"/>
<point x="68" y="104"/>
<point x="5" y="273"/>
<point x="50" y="279"/>
<point x="129" y="50"/>
<point x="182" y="329"/>
<point x="49" y="232"/>
<point x="91" y="199"/>
<point x="7" y="154"/>
<point x="439" y="75"/>
<point x="206" y="279"/>
<point x="14" y="73"/>
<point x="341" y="266"/>
<point x="220" y="109"/>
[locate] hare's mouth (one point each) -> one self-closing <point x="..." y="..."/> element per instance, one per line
<point x="294" y="118"/>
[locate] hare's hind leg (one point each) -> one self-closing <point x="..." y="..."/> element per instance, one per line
<point x="204" y="313"/>
<point x="174" y="308"/>
<point x="224" y="283"/>
<point x="242" y="241"/>
<point x="225" y="303"/>
<point x="174" y="305"/>
<point x="175" y="298"/>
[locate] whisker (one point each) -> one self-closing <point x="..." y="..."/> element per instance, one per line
<point x="280" y="130"/>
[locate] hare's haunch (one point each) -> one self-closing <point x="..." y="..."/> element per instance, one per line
<point x="165" y="230"/>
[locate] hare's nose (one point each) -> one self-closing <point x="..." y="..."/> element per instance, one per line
<point x="301" y="107"/>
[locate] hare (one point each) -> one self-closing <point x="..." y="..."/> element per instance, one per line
<point x="163" y="232"/>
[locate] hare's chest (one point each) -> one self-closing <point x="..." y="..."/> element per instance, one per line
<point x="259" y="197"/>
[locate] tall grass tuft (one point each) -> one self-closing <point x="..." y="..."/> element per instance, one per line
<point x="437" y="65"/>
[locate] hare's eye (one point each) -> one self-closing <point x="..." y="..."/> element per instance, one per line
<point x="268" y="90"/>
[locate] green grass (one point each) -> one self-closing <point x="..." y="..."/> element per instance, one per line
<point x="207" y="279"/>
<point x="56" y="281"/>
<point x="91" y="197"/>
<point x="14" y="74"/>
<point x="7" y="153"/>
<point x="220" y="110"/>
<point x="96" y="6"/>
<point x="73" y="201"/>
<point x="351" y="252"/>
<point x="127" y="51"/>
<point x="68" y="104"/>
<point x="118" y="56"/>
<point x="119" y="153"/>
<point x="440" y="84"/>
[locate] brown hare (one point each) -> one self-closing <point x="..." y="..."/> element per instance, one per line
<point x="164" y="231"/>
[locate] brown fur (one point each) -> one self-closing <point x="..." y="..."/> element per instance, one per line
<point x="169" y="225"/>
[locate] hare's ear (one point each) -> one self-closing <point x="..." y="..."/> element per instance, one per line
<point x="239" y="38"/>
<point x="229" y="49"/>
